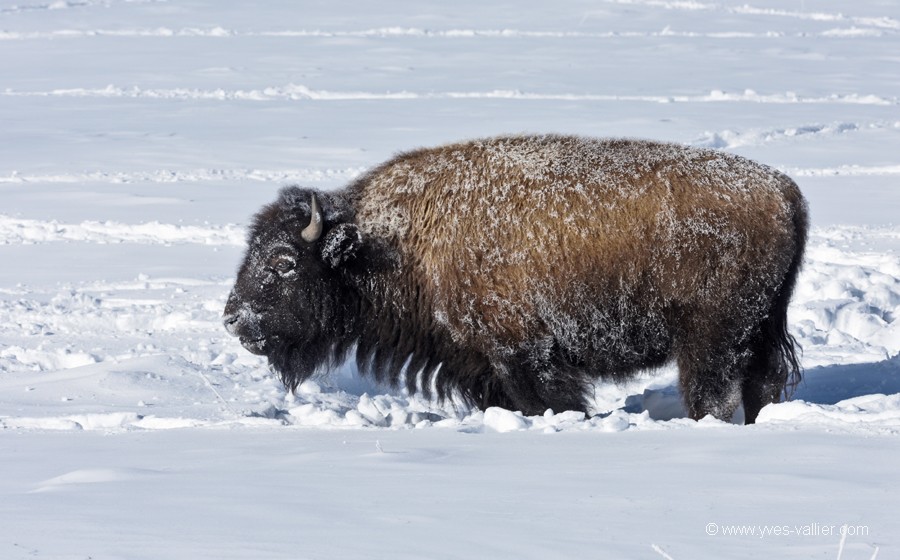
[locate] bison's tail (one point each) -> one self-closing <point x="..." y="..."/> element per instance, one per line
<point x="785" y="351"/>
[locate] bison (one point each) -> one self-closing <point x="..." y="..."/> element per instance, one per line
<point x="515" y="271"/>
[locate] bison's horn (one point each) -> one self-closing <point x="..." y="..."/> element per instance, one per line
<point x="314" y="230"/>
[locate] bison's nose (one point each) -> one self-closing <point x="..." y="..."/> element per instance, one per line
<point x="230" y="321"/>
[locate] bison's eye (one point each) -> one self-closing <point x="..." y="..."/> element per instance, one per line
<point x="283" y="264"/>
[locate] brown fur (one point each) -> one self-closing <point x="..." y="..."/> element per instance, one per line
<point x="487" y="225"/>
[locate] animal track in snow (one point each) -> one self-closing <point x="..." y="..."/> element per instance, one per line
<point x="729" y="139"/>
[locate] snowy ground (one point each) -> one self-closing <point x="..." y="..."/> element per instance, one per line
<point x="138" y="137"/>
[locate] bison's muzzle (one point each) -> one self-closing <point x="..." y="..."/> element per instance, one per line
<point x="243" y="323"/>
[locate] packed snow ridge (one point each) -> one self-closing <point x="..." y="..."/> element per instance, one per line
<point x="871" y="30"/>
<point x="297" y="92"/>
<point x="187" y="176"/>
<point x="21" y="231"/>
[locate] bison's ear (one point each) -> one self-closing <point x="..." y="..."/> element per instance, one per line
<point x="341" y="244"/>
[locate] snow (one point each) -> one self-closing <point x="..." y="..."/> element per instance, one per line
<point x="138" y="139"/>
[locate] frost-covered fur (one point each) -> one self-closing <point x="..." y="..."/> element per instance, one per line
<point x="512" y="271"/>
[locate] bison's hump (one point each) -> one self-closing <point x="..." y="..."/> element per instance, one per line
<point x="556" y="181"/>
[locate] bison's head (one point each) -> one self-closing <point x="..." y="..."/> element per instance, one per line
<point x="291" y="301"/>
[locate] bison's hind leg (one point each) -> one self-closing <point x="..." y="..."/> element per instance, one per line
<point x="749" y="366"/>
<point x="713" y="358"/>
<point x="774" y="368"/>
<point x="710" y="386"/>
<point x="764" y="381"/>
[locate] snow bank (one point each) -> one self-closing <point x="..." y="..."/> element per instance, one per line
<point x="847" y="302"/>
<point x="301" y="92"/>
<point x="23" y="231"/>
<point x="879" y="413"/>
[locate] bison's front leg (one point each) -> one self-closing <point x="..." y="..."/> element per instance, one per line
<point x="534" y="382"/>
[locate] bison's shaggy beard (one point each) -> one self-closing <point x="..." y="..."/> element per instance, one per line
<point x="295" y="362"/>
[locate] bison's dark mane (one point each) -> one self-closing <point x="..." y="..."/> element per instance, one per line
<point x="413" y="350"/>
<point x="409" y="351"/>
<point x="401" y="350"/>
